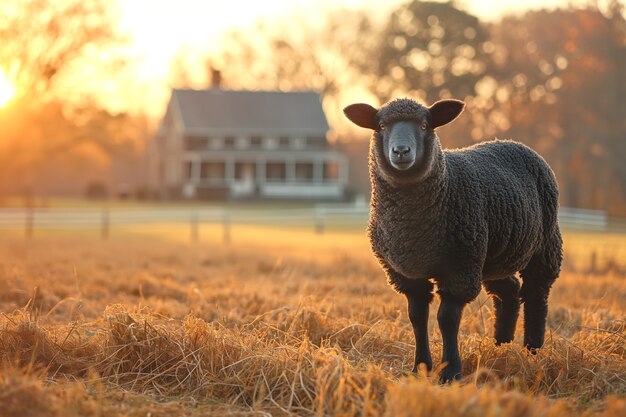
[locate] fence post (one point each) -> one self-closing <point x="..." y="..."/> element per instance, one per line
<point x="29" y="222"/>
<point x="106" y="224"/>
<point x="226" y="227"/>
<point x="319" y="220"/>
<point x="193" y="219"/>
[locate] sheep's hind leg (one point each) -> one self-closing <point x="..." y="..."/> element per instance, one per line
<point x="506" y="304"/>
<point x="419" y="295"/>
<point x="537" y="278"/>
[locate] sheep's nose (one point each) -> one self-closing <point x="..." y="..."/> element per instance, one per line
<point x="401" y="150"/>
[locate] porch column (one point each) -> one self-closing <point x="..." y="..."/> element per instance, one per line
<point x="229" y="174"/>
<point x="343" y="170"/>
<point x="260" y="170"/>
<point x="290" y="170"/>
<point x="318" y="171"/>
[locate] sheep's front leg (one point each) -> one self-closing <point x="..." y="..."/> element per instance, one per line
<point x="449" y="318"/>
<point x="419" y="299"/>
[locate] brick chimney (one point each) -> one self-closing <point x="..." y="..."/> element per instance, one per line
<point x="216" y="78"/>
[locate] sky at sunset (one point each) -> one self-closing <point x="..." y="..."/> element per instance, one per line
<point x="159" y="30"/>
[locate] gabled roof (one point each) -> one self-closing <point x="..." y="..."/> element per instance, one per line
<point x="217" y="109"/>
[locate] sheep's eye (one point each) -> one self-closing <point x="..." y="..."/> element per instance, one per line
<point x="381" y="126"/>
<point x="424" y="126"/>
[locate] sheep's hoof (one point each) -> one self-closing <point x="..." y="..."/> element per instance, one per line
<point x="450" y="374"/>
<point x="532" y="349"/>
<point x="533" y="345"/>
<point x="422" y="368"/>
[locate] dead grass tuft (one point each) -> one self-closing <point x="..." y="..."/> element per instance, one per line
<point x="415" y="398"/>
<point x="24" y="395"/>
<point x="588" y="369"/>
<point x="25" y="342"/>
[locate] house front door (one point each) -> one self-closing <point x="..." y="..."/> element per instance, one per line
<point x="245" y="179"/>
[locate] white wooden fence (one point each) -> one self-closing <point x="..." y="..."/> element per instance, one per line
<point x="29" y="221"/>
<point x="320" y="218"/>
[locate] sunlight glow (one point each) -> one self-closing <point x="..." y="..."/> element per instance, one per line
<point x="7" y="91"/>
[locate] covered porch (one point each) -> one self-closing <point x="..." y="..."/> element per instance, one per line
<point x="311" y="175"/>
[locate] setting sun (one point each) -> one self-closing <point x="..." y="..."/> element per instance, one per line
<point x="7" y="91"/>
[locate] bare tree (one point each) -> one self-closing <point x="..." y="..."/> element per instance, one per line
<point x="431" y="49"/>
<point x="564" y="95"/>
<point x="44" y="43"/>
<point x="41" y="40"/>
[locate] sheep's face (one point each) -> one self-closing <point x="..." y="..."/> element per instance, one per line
<point x="403" y="143"/>
<point x="404" y="134"/>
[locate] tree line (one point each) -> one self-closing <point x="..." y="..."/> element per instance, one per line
<point x="552" y="79"/>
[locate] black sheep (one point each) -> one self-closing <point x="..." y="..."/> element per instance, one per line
<point x="459" y="218"/>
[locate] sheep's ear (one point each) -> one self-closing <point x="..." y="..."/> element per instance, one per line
<point x="362" y="115"/>
<point x="445" y="111"/>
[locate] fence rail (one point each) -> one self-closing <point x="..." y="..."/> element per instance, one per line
<point x="320" y="218"/>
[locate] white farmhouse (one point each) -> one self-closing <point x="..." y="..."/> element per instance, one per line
<point x="219" y="143"/>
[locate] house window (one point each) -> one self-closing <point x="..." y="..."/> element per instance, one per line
<point x="229" y="142"/>
<point x="256" y="142"/>
<point x="284" y="141"/>
<point x="242" y="143"/>
<point x="298" y="143"/>
<point x="214" y="170"/>
<point x="216" y="143"/>
<point x="245" y="171"/>
<point x="314" y="142"/>
<point x="331" y="171"/>
<point x="276" y="171"/>
<point x="270" y="143"/>
<point x="193" y="143"/>
<point x="304" y="171"/>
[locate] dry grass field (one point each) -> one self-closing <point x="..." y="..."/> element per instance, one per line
<point x="281" y="323"/>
